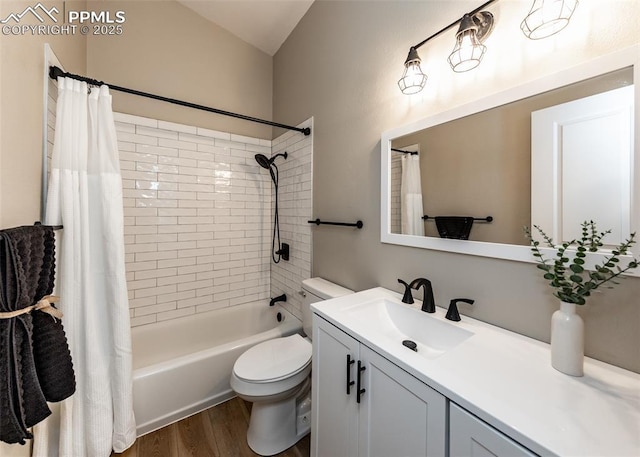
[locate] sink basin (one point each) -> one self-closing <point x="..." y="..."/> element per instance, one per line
<point x="398" y="322"/>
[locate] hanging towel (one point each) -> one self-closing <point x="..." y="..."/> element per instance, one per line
<point x="35" y="362"/>
<point x="456" y="227"/>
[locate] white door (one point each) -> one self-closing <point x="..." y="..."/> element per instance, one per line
<point x="471" y="437"/>
<point x="399" y="415"/>
<point x="581" y="165"/>
<point x="334" y="412"/>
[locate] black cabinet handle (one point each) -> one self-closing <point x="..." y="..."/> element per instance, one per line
<point x="360" y="391"/>
<point x="349" y="381"/>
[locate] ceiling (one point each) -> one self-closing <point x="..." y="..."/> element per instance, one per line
<point x="265" y="24"/>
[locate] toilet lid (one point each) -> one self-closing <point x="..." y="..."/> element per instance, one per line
<point x="273" y="359"/>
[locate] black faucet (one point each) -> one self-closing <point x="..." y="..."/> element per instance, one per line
<point x="275" y="300"/>
<point x="452" y="313"/>
<point x="407" y="297"/>
<point x="428" y="302"/>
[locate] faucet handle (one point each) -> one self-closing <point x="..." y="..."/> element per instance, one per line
<point x="452" y="312"/>
<point x="407" y="297"/>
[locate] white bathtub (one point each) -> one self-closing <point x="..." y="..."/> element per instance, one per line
<point x="182" y="366"/>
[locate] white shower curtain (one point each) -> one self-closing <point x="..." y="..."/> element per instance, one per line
<point x="411" y="196"/>
<point x="85" y="195"/>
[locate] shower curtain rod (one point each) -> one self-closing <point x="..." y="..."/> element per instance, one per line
<point x="55" y="72"/>
<point x="413" y="153"/>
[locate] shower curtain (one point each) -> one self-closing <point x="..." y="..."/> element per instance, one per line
<point x="411" y="196"/>
<point x="85" y="196"/>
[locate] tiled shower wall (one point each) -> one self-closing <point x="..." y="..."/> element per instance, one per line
<point x="52" y="97"/>
<point x="396" y="181"/>
<point x="198" y="218"/>
<point x="294" y="207"/>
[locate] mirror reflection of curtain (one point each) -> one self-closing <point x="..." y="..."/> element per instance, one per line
<point x="411" y="196"/>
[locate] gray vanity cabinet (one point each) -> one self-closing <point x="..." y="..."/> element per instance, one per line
<point x="364" y="405"/>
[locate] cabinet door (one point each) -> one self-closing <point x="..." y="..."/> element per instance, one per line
<point x="470" y="436"/>
<point x="334" y="418"/>
<point x="399" y="415"/>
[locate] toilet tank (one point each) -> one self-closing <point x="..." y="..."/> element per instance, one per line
<point x="314" y="290"/>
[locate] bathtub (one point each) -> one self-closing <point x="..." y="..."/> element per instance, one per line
<point x="182" y="366"/>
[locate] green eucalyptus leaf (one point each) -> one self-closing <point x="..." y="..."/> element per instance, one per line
<point x="575" y="288"/>
<point x="576" y="268"/>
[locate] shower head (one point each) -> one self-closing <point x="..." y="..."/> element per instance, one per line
<point x="265" y="162"/>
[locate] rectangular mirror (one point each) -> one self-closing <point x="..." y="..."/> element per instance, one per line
<point x="482" y="175"/>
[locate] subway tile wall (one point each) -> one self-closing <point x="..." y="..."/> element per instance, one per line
<point x="396" y="182"/>
<point x="198" y="218"/>
<point x="52" y="97"/>
<point x="295" y="210"/>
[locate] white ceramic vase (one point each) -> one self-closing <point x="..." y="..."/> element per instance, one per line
<point x="567" y="340"/>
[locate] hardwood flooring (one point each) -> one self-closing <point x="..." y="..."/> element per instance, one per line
<point x="220" y="431"/>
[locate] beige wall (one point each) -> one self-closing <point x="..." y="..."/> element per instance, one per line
<point x="21" y="106"/>
<point x="341" y="65"/>
<point x="167" y="49"/>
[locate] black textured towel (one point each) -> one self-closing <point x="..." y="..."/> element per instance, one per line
<point x="456" y="227"/>
<point x="35" y="362"/>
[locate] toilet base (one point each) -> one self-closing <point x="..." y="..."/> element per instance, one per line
<point x="277" y="426"/>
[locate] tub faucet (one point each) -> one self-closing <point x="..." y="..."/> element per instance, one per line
<point x="428" y="302"/>
<point x="407" y="297"/>
<point x="275" y="300"/>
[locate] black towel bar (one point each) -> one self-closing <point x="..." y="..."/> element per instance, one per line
<point x="357" y="224"/>
<point x="54" y="227"/>
<point x="486" y="219"/>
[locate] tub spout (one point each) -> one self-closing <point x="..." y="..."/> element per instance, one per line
<point x="275" y="300"/>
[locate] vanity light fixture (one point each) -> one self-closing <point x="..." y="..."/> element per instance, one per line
<point x="413" y="79"/>
<point x="474" y="28"/>
<point x="469" y="49"/>
<point x="547" y="17"/>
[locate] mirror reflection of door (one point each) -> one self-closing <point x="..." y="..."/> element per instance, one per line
<point x="581" y="165"/>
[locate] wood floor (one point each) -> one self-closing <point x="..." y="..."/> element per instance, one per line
<point x="220" y="431"/>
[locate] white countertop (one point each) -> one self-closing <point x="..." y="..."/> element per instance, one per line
<point x="506" y="379"/>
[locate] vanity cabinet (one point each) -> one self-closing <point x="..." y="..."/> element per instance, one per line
<point x="364" y="405"/>
<point x="472" y="437"/>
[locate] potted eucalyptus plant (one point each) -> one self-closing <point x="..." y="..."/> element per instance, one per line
<point x="573" y="284"/>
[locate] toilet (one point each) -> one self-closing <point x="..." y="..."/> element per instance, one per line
<point x="275" y="376"/>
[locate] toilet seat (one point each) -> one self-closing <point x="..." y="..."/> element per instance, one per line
<point x="274" y="360"/>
